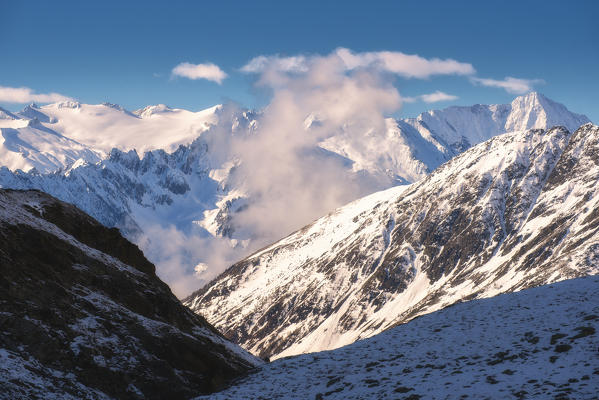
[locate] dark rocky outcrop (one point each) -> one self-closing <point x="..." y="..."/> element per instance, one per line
<point x="83" y="315"/>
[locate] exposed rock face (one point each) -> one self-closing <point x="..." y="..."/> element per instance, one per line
<point x="517" y="211"/>
<point x="83" y="315"/>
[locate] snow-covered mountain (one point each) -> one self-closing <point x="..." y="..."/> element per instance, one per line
<point x="55" y="136"/>
<point x="463" y="127"/>
<point x="49" y="138"/>
<point x="516" y="211"/>
<point x="29" y="145"/>
<point x="188" y="178"/>
<point x="539" y="343"/>
<point x="413" y="147"/>
<point x="84" y="316"/>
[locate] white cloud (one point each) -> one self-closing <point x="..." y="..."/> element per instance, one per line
<point x="207" y="71"/>
<point x="430" y="97"/>
<point x="437" y="96"/>
<point x="200" y="269"/>
<point x="284" y="64"/>
<point x="509" y="84"/>
<point x="289" y="181"/>
<point x="23" y="95"/>
<point x="406" y="65"/>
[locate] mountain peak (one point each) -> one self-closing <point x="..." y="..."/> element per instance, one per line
<point x="148" y="111"/>
<point x="114" y="106"/>
<point x="32" y="111"/>
<point x="534" y="96"/>
<point x="458" y="128"/>
<point x="68" y="104"/>
<point x="535" y="111"/>
<point x="536" y="99"/>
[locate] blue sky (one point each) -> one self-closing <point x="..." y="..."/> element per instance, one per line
<point x="124" y="51"/>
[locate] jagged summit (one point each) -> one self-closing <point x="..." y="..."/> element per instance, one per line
<point x="535" y="111"/>
<point x="33" y="111"/>
<point x="114" y="106"/>
<point x="457" y="128"/>
<point x="148" y="111"/>
<point x="66" y="104"/>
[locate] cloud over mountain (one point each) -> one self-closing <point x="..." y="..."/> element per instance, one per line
<point x="208" y="71"/>
<point x="509" y="84"/>
<point x="394" y="62"/>
<point x="22" y="95"/>
<point x="434" y="97"/>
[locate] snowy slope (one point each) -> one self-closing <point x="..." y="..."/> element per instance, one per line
<point x="8" y="118"/>
<point x="84" y="316"/>
<point x="413" y="147"/>
<point x="54" y="136"/>
<point x="107" y="126"/>
<point x="28" y="145"/>
<point x="538" y="343"/>
<point x="516" y="211"/>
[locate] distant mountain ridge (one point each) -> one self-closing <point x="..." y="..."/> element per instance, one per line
<point x="181" y="180"/>
<point x="516" y="211"/>
<point x="463" y="127"/>
<point x="444" y="133"/>
<point x="67" y="131"/>
<point x="413" y="147"/>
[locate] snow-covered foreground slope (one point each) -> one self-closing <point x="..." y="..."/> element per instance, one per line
<point x="84" y="316"/>
<point x="192" y="185"/>
<point x="517" y="211"/>
<point x="537" y="343"/>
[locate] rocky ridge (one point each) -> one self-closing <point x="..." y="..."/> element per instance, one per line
<point x="84" y="316"/>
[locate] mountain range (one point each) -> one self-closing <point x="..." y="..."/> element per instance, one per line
<point x="155" y="168"/>
<point x="424" y="288"/>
